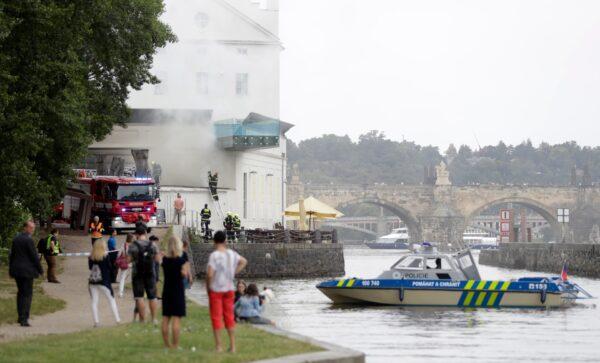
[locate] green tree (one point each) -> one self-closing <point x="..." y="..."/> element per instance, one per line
<point x="67" y="68"/>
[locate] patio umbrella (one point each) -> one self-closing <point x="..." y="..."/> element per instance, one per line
<point x="312" y="207"/>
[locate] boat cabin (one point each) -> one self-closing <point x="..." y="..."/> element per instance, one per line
<point x="432" y="265"/>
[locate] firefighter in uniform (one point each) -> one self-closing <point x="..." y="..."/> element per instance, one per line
<point x="52" y="250"/>
<point x="205" y="221"/>
<point x="96" y="229"/>
<point x="213" y="181"/>
<point x="228" y="223"/>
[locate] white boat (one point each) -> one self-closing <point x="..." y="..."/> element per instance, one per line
<point x="398" y="239"/>
<point x="479" y="240"/>
<point x="430" y="278"/>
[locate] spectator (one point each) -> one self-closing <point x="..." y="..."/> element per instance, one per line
<point x="178" y="206"/>
<point x="248" y="307"/>
<point x="240" y="290"/>
<point x="24" y="266"/>
<point x="176" y="268"/>
<point x="50" y="252"/>
<point x="141" y="223"/>
<point x="142" y="254"/>
<point x="113" y="253"/>
<point x="155" y="242"/>
<point x="223" y="265"/>
<point x="125" y="272"/>
<point x="100" y="280"/>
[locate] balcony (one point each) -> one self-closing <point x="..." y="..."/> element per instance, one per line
<point x="254" y="132"/>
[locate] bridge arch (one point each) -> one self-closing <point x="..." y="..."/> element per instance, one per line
<point x="414" y="228"/>
<point x="548" y="213"/>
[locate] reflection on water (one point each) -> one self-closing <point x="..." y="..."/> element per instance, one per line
<point x="390" y="334"/>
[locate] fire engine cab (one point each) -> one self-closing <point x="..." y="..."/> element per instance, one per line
<point x="118" y="200"/>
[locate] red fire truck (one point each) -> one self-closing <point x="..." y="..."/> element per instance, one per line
<point x="118" y="200"/>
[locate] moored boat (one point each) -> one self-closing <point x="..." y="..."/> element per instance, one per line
<point x="397" y="240"/>
<point x="430" y="278"/>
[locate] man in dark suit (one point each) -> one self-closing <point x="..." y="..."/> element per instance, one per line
<point x="24" y="266"/>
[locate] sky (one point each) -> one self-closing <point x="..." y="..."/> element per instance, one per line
<point x="441" y="72"/>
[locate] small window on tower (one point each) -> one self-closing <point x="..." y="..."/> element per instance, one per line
<point x="202" y="83"/>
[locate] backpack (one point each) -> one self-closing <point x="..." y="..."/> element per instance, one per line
<point x="95" y="274"/>
<point x="145" y="259"/>
<point x="42" y="246"/>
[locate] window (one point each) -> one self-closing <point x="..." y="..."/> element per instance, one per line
<point x="201" y="20"/>
<point x="410" y="262"/>
<point x="432" y="263"/>
<point x="161" y="88"/>
<point x="241" y="84"/>
<point x="202" y="83"/>
<point x="242" y="51"/>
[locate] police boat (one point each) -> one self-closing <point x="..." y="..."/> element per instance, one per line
<point x="430" y="278"/>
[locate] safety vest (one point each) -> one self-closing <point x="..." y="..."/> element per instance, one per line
<point x="205" y="214"/>
<point x="237" y="223"/>
<point x="56" y="249"/>
<point x="96" y="230"/>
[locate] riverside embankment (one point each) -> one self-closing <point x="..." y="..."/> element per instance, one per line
<point x="582" y="259"/>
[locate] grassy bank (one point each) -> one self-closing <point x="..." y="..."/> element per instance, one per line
<point x="41" y="304"/>
<point x="143" y="343"/>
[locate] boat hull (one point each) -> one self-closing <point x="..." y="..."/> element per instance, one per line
<point x="488" y="294"/>
<point x="388" y="246"/>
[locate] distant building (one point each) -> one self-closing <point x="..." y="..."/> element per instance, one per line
<point x="216" y="109"/>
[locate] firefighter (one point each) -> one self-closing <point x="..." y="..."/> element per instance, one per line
<point x="213" y="181"/>
<point x="237" y="225"/>
<point x="52" y="250"/>
<point x="228" y="223"/>
<point x="96" y="229"/>
<point x="205" y="220"/>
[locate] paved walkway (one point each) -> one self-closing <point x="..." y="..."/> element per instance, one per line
<point x="73" y="289"/>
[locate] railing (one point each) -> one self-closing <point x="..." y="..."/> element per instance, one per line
<point x="281" y="236"/>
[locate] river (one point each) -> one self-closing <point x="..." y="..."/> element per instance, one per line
<point x="394" y="334"/>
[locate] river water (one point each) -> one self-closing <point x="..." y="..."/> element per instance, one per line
<point x="396" y="334"/>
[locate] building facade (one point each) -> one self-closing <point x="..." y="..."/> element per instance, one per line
<point x="222" y="74"/>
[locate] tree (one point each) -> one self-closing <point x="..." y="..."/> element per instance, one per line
<point x="67" y="68"/>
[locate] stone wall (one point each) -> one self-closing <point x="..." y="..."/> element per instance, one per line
<point x="582" y="259"/>
<point x="293" y="260"/>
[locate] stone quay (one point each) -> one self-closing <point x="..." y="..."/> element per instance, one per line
<point x="583" y="259"/>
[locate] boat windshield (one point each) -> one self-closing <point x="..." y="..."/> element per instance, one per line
<point x="409" y="262"/>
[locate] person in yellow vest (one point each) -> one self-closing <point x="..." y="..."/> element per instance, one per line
<point x="52" y="250"/>
<point x="96" y="229"/>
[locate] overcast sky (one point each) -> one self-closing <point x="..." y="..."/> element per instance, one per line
<point x="437" y="72"/>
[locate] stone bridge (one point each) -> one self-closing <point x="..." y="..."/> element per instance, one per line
<point x="442" y="212"/>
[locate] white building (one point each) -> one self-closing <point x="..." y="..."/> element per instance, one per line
<point x="223" y="70"/>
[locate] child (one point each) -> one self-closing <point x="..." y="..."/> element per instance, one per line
<point x="223" y="265"/>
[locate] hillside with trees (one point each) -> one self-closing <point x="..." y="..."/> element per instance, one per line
<point x="374" y="158"/>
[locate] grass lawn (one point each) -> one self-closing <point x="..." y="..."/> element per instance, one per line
<point x="135" y="342"/>
<point x="41" y="303"/>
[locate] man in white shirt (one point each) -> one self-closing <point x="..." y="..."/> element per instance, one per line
<point x="223" y="265"/>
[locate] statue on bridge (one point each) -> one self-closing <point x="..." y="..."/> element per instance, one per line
<point x="443" y="175"/>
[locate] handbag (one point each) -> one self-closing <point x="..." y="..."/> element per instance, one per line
<point x="121" y="261"/>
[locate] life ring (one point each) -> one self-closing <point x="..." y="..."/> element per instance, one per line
<point x="396" y="275"/>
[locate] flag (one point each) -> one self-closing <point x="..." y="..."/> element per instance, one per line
<point x="563" y="273"/>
